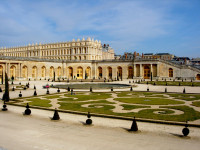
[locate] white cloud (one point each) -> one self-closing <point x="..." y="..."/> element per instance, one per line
<point x="125" y="24"/>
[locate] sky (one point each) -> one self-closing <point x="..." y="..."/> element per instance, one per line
<point x="144" y="26"/>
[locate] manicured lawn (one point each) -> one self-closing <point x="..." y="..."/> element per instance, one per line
<point x="98" y="103"/>
<point x="39" y="102"/>
<point x="172" y="83"/>
<point x="130" y="107"/>
<point x="104" y="109"/>
<point x="189" y="113"/>
<point x="137" y="94"/>
<point x="92" y="96"/>
<point x="188" y="97"/>
<point x="197" y="104"/>
<point x="52" y="97"/>
<point x="148" y="101"/>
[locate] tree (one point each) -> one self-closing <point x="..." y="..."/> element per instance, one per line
<point x="6" y="93"/>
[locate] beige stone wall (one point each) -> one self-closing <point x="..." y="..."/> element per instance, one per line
<point x="90" y="68"/>
<point x="74" y="50"/>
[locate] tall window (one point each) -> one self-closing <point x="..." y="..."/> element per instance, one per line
<point x="12" y="71"/>
<point x="59" y="72"/>
<point x="170" y="72"/>
<point x="24" y="71"/>
<point x="34" y="72"/>
<point x="130" y="72"/>
<point x="51" y="72"/>
<point x="43" y="71"/>
<point x="100" y="72"/>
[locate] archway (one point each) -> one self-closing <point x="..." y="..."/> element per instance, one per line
<point x="130" y="72"/>
<point x="79" y="73"/>
<point x="147" y="73"/>
<point x="119" y="72"/>
<point x="170" y="72"/>
<point x="43" y="72"/>
<point x="70" y="72"/>
<point x="88" y="73"/>
<point x="12" y="71"/>
<point x="198" y="77"/>
<point x="25" y="72"/>
<point x="100" y="72"/>
<point x="109" y="73"/>
<point x="59" y="72"/>
<point x="34" y="72"/>
<point x="1" y="73"/>
<point x="51" y="72"/>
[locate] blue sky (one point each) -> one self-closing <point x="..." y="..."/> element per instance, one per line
<point x="144" y="26"/>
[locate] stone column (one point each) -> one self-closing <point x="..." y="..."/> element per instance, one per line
<point x="124" y="72"/>
<point x="114" y="72"/>
<point x="64" y="71"/>
<point x="134" y="70"/>
<point x="158" y="70"/>
<point x="74" y="72"/>
<point x="141" y="70"/>
<point x="84" y="70"/>
<point x="93" y="71"/>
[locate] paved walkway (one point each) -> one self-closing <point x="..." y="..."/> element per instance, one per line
<point x="38" y="132"/>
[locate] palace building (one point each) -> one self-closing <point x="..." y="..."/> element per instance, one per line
<point x="84" y="59"/>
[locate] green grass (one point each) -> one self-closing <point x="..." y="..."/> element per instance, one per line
<point x="52" y="97"/>
<point x="67" y="99"/>
<point x="172" y="83"/>
<point x="130" y="107"/>
<point x="189" y="114"/>
<point x="197" y="104"/>
<point x="188" y="97"/>
<point x="97" y="103"/>
<point x="92" y="96"/>
<point x="105" y="109"/>
<point x="148" y="101"/>
<point x="39" y="102"/>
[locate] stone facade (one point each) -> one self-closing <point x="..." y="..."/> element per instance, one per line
<point x="74" y="50"/>
<point x="84" y="59"/>
<point x="35" y="69"/>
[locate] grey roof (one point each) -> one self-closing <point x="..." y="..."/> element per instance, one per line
<point x="163" y="54"/>
<point x="148" y="54"/>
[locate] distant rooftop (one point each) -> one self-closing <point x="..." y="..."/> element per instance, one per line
<point x="148" y="54"/>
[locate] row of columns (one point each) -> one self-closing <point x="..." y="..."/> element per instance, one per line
<point x="93" y="70"/>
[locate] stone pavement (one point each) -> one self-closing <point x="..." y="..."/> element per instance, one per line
<point x="38" y="132"/>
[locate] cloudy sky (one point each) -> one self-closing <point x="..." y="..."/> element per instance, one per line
<point x="144" y="26"/>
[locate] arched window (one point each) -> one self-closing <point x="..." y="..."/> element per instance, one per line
<point x="59" y="71"/>
<point x="79" y="73"/>
<point x="100" y="71"/>
<point x="51" y="72"/>
<point x="24" y="72"/>
<point x="87" y="74"/>
<point x="1" y="70"/>
<point x="198" y="77"/>
<point x="43" y="71"/>
<point x="109" y="72"/>
<point x="12" y="71"/>
<point x="119" y="72"/>
<point x="170" y="72"/>
<point x="70" y="72"/>
<point x="34" y="72"/>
